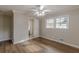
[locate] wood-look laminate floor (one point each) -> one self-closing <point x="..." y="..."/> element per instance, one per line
<point x="37" y="45"/>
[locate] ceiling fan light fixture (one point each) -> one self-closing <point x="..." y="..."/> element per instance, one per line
<point x="40" y="10"/>
<point x="40" y="13"/>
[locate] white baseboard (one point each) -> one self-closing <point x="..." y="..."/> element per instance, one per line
<point x="72" y="45"/>
<point x="33" y="37"/>
<point x="4" y="39"/>
<point x="24" y="40"/>
<point x="20" y="41"/>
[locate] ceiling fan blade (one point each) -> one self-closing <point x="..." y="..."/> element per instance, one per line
<point x="47" y="10"/>
<point x="42" y="7"/>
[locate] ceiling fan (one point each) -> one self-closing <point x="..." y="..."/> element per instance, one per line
<point x="40" y="10"/>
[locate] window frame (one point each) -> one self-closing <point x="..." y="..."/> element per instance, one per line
<point x="54" y="22"/>
<point x="60" y="18"/>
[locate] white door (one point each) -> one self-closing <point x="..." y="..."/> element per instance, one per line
<point x="36" y="28"/>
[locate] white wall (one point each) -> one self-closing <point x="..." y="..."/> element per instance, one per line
<point x="70" y="36"/>
<point x="20" y="31"/>
<point x="4" y="27"/>
<point x="20" y="26"/>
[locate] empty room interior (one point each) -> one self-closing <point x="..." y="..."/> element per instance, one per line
<point x="39" y="28"/>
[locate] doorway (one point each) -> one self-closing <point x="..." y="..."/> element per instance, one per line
<point x="33" y="28"/>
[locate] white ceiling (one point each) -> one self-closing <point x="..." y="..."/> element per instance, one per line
<point x="26" y="8"/>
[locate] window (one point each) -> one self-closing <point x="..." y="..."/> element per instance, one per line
<point x="50" y="23"/>
<point x="62" y="22"/>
